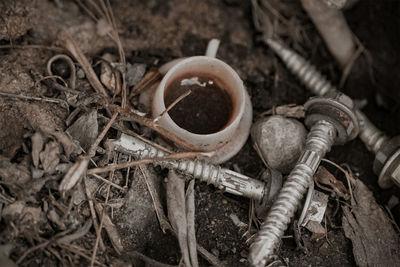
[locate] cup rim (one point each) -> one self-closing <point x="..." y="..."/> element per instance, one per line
<point x="234" y="75"/>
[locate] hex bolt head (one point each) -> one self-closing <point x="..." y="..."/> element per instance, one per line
<point x="396" y="174"/>
<point x="390" y="172"/>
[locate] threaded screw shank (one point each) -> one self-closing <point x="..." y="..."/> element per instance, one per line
<point x="224" y="179"/>
<point x="319" y="141"/>
<point x="301" y="68"/>
<point x="372" y="137"/>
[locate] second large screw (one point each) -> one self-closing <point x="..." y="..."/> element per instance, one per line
<point x="387" y="150"/>
<point x="330" y="121"/>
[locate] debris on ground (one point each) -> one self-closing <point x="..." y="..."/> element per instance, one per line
<point x="375" y="240"/>
<point x="83" y="75"/>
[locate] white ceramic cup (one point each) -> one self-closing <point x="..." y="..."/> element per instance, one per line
<point x="229" y="80"/>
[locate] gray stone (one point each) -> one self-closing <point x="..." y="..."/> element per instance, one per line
<point x="280" y="141"/>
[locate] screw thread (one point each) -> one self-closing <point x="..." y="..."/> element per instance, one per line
<point x="372" y="137"/>
<point x="319" y="85"/>
<point x="227" y="180"/>
<point x="319" y="141"/>
<point x="301" y="68"/>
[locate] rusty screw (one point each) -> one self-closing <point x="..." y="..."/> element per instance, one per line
<point x="387" y="151"/>
<point x="329" y="121"/>
<point x="226" y="180"/>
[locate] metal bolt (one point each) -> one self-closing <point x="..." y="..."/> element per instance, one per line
<point x="224" y="179"/>
<point x="330" y="121"/>
<point x="307" y="73"/>
<point x="387" y="158"/>
<point x="387" y="152"/>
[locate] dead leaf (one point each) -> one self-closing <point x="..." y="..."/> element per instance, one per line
<point x="134" y="73"/>
<point x="50" y="157"/>
<point x="22" y="214"/>
<point x="291" y="111"/>
<point x="324" y="177"/>
<point x="375" y="242"/>
<point x="177" y="214"/>
<point x="317" y="229"/>
<point x="13" y="174"/>
<point x="55" y="218"/>
<point x="107" y="75"/>
<point x="85" y="129"/>
<point x="111" y="229"/>
<point x="64" y="139"/>
<point x="37" y="146"/>
<point x="190" y="211"/>
<point x="79" y="233"/>
<point x="73" y="175"/>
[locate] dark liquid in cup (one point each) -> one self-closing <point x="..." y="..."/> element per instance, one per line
<point x="206" y="110"/>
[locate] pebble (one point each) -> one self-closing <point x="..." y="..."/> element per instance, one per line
<point x="281" y="141"/>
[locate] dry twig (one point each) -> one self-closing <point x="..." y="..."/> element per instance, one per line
<point x="124" y="165"/>
<point x="128" y="115"/>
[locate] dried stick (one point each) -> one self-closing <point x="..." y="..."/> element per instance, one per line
<point x="162" y="219"/>
<point x="32" y="249"/>
<point x="127" y="115"/>
<point x="70" y="45"/>
<point x="92" y="149"/>
<point x="45" y="99"/>
<point x="173" y="104"/>
<point x="122" y="128"/>
<point x="98" y="233"/>
<point x="209" y="257"/>
<point x="89" y="197"/>
<point x="149" y="79"/>
<point x="75" y="173"/>
<point x="107" y="182"/>
<point x="79" y="251"/>
<point x="52" y="48"/>
<point x="124" y="165"/>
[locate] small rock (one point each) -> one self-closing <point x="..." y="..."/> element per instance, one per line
<point x="80" y="74"/>
<point x="280" y="141"/>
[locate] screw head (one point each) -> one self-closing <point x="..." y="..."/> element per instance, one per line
<point x="337" y="113"/>
<point x="384" y="153"/>
<point x="391" y="172"/>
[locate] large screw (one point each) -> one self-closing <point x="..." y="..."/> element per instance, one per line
<point x="330" y="121"/>
<point x="224" y="179"/>
<point x="387" y="151"/>
<point x="307" y="73"/>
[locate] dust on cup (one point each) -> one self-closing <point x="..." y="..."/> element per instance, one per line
<point x="210" y="116"/>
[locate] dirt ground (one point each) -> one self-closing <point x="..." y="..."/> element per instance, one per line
<point x="154" y="32"/>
